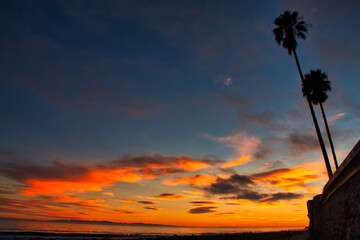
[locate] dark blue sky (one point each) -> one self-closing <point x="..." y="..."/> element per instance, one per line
<point x="139" y="76"/>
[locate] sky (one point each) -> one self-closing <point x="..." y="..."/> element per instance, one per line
<point x="170" y="112"/>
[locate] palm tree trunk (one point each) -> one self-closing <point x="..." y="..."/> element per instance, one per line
<point x="321" y="141"/>
<point x="329" y="136"/>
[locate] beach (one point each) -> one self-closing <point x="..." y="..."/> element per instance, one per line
<point x="282" y="235"/>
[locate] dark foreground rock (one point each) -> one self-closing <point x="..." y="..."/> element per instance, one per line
<point x="335" y="214"/>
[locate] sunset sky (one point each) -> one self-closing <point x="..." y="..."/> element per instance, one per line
<point x="169" y="112"/>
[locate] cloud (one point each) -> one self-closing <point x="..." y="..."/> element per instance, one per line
<point x="108" y="194"/>
<point x="335" y="117"/>
<point x="170" y="196"/>
<point x="276" y="172"/>
<point x="241" y="142"/>
<point x="243" y="145"/>
<point x="237" y="162"/>
<point x="292" y="178"/>
<point x="263" y="152"/>
<point x="271" y="165"/>
<point x="224" y="80"/>
<point x="127" y="200"/>
<point x="53" y="203"/>
<point x="200" y="210"/>
<point x="225" y="213"/>
<point x="197" y="180"/>
<point x="9" y="188"/>
<point x="146" y="202"/>
<point x="261" y="187"/>
<point x="196" y="192"/>
<point x="283" y="196"/>
<point x="248" y="195"/>
<point x="163" y="163"/>
<point x="125" y="212"/>
<point x="201" y="203"/>
<point x="301" y="143"/>
<point x="152" y="208"/>
<point x="232" y="185"/>
<point x="266" y="120"/>
<point x="59" y="176"/>
<point x="264" y="197"/>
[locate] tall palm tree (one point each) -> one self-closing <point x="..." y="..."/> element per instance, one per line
<point x="315" y="86"/>
<point x="290" y="26"/>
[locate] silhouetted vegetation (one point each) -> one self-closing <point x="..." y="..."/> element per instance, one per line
<point x="315" y="86"/>
<point x="289" y="27"/>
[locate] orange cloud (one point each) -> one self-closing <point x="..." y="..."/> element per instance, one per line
<point x="292" y="178"/>
<point x="239" y="161"/>
<point x="189" y="164"/>
<point x="196" y="192"/>
<point x="336" y="117"/>
<point x="109" y="194"/>
<point x="91" y="181"/>
<point x="60" y="177"/>
<point x="127" y="200"/>
<point x="202" y="203"/>
<point x="197" y="180"/>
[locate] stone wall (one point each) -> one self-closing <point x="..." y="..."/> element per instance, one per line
<point x="335" y="214"/>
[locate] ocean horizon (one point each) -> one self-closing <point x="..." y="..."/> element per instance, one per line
<point x="54" y="227"/>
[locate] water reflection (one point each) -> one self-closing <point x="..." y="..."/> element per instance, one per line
<point x="89" y="228"/>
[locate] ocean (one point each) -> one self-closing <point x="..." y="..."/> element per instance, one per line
<point x="114" y="229"/>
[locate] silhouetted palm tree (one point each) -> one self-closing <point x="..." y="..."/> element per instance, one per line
<point x="315" y="86"/>
<point x="290" y="26"/>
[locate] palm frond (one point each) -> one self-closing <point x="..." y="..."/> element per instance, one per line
<point x="316" y="85"/>
<point x="301" y="35"/>
<point x="289" y="27"/>
<point x="279" y="35"/>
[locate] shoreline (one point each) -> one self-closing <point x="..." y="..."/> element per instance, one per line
<point x="286" y="235"/>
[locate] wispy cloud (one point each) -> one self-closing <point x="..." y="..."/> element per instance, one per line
<point x="243" y="145"/>
<point x="294" y="178"/>
<point x="170" y="196"/>
<point x="301" y="143"/>
<point x="146" y="202"/>
<point x="152" y="208"/>
<point x="224" y="80"/>
<point x="240" y="142"/>
<point x="336" y="116"/>
<point x="197" y="180"/>
<point x="237" y="162"/>
<point x="127" y="200"/>
<point x="108" y="194"/>
<point x="202" y="203"/>
<point x="200" y="210"/>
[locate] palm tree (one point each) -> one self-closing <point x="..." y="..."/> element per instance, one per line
<point x="315" y="86"/>
<point x="290" y="26"/>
